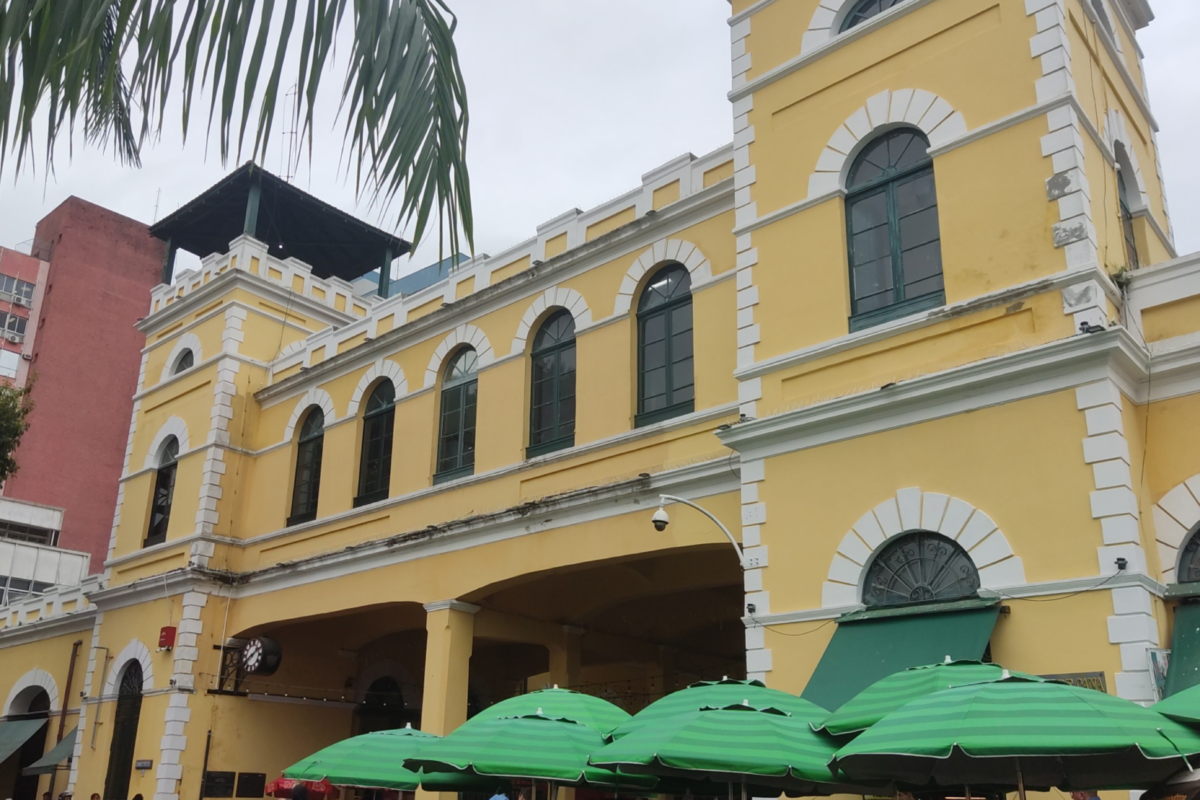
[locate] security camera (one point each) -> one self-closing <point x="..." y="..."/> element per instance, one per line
<point x="660" y="519"/>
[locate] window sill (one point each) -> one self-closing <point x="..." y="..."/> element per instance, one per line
<point x="297" y="519"/>
<point x="651" y="417"/>
<point x="535" y="450"/>
<point x="453" y="474"/>
<point x="370" y="497"/>
<point x="897" y="311"/>
<point x="151" y="541"/>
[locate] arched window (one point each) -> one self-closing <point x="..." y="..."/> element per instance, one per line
<point x="1102" y="15"/>
<point x="124" y="733"/>
<point x="383" y="707"/>
<point x="863" y="10"/>
<point x="552" y="393"/>
<point x="456" y="435"/>
<point x="919" y="567"/>
<point x="36" y="706"/>
<point x="1125" y="178"/>
<point x="186" y="360"/>
<point x="164" y="492"/>
<point x="1189" y="559"/>
<point x="375" y="469"/>
<point x="666" y="373"/>
<point x="309" y="450"/>
<point x="892" y="230"/>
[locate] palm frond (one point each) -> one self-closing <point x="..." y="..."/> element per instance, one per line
<point x="115" y="64"/>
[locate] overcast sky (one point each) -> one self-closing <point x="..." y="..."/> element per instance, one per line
<point x="570" y="103"/>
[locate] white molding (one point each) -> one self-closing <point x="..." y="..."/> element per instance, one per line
<point x="452" y="605"/>
<point x="134" y="651"/>
<point x="382" y="368"/>
<point x="174" y="426"/>
<point x="33" y="679"/>
<point x="556" y="297"/>
<point x="315" y="396"/>
<point x="662" y="252"/>
<point x="1053" y="367"/>
<point x="914" y="510"/>
<point x="463" y="334"/>
<point x="1002" y="297"/>
<point x="1176" y="519"/>
<point x="830" y="15"/>
<point x="1115" y="130"/>
<point x="186" y="341"/>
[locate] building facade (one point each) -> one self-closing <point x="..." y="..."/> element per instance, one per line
<point x="918" y="338"/>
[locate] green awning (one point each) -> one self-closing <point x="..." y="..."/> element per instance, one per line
<point x="1184" y="670"/>
<point x="864" y="650"/>
<point x="57" y="755"/>
<point x="15" y="733"/>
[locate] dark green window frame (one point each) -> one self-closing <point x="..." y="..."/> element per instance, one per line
<point x="891" y="179"/>
<point x="310" y="449"/>
<point x="375" y="462"/>
<point x="1127" y="232"/>
<point x="187" y="360"/>
<point x="164" y="493"/>
<point x="1188" y="569"/>
<point x="456" y="428"/>
<point x="865" y="10"/>
<point x="552" y="386"/>
<point x="665" y="318"/>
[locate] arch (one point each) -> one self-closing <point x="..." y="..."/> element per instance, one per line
<point x="383" y="368"/>
<point x="914" y="108"/>
<point x="463" y="334"/>
<point x="37" y="680"/>
<point x="187" y="341"/>
<point x="1115" y="130"/>
<point x="1176" y="515"/>
<point x="554" y="297"/>
<point x="388" y="668"/>
<point x="313" y="397"/>
<point x="172" y="427"/>
<point x="826" y="23"/>
<point x="910" y="510"/>
<point x="662" y="251"/>
<point x="134" y="651"/>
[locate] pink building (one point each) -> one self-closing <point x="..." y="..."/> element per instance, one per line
<point x="68" y="312"/>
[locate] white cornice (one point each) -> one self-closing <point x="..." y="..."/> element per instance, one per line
<point x="1049" y="368"/>
<point x="1093" y="583"/>
<point x="157" y="587"/>
<point x="925" y="319"/>
<point x="48" y="628"/>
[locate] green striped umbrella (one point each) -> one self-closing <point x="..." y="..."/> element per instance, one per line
<point x="374" y="760"/>
<point x="534" y="746"/>
<point x="719" y="694"/>
<point x="734" y="744"/>
<point x="1015" y="732"/>
<point x="585" y="709"/>
<point x="1182" y="706"/>
<point x="886" y="695"/>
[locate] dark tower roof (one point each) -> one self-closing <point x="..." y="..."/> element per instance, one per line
<point x="292" y="222"/>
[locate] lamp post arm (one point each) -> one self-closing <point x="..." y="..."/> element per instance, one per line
<point x="662" y="500"/>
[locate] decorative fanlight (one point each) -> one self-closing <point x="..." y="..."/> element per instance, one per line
<point x="920" y="567"/>
<point x="261" y="656"/>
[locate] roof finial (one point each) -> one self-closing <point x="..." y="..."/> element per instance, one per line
<point x="948" y="660"/>
<point x="1005" y="674"/>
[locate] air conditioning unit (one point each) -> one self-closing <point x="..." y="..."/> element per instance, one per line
<point x="27" y="356"/>
<point x="20" y="301"/>
<point x="14" y="338"/>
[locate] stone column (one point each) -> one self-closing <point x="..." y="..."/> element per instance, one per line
<point x="450" y="625"/>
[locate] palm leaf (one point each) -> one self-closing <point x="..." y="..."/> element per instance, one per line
<point x="112" y="66"/>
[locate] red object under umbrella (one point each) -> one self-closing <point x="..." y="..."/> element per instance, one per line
<point x="317" y="790"/>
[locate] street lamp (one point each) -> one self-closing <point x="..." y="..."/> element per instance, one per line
<point x="661" y="520"/>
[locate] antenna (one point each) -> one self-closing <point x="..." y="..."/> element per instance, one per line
<point x="287" y="171"/>
<point x="157" y="197"/>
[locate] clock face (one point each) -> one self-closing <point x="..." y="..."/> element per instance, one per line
<point x="252" y="655"/>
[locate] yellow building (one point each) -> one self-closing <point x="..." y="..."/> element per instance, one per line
<point x="919" y="338"/>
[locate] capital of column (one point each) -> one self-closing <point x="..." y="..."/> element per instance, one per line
<point x="451" y="605"/>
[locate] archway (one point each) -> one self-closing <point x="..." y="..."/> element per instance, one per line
<point x="383" y="708"/>
<point x="124" y="735"/>
<point x="31" y="704"/>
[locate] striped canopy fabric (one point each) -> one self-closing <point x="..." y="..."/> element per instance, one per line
<point x="585" y="709"/>
<point x="536" y="746"/>
<point x="732" y="744"/>
<point x="1014" y="730"/>
<point x="719" y="694"/>
<point x="1182" y="707"/>
<point x="374" y="761"/>
<point x="886" y="695"/>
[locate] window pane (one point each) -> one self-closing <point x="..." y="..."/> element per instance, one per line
<point x="922" y="263"/>
<point x="871" y="245"/>
<point x="654" y="382"/>
<point x="872" y="278"/>
<point x="681" y="381"/>
<point x="918" y="229"/>
<point x="869" y="212"/>
<point x="915" y="194"/>
<point x="654" y="328"/>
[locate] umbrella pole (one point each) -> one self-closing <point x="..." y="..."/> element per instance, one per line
<point x="743" y="789"/>
<point x="1020" y="780"/>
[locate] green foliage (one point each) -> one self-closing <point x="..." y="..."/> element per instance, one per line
<point x="116" y="63"/>
<point x="15" y="406"/>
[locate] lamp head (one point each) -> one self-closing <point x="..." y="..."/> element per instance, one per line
<point x="660" y="519"/>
